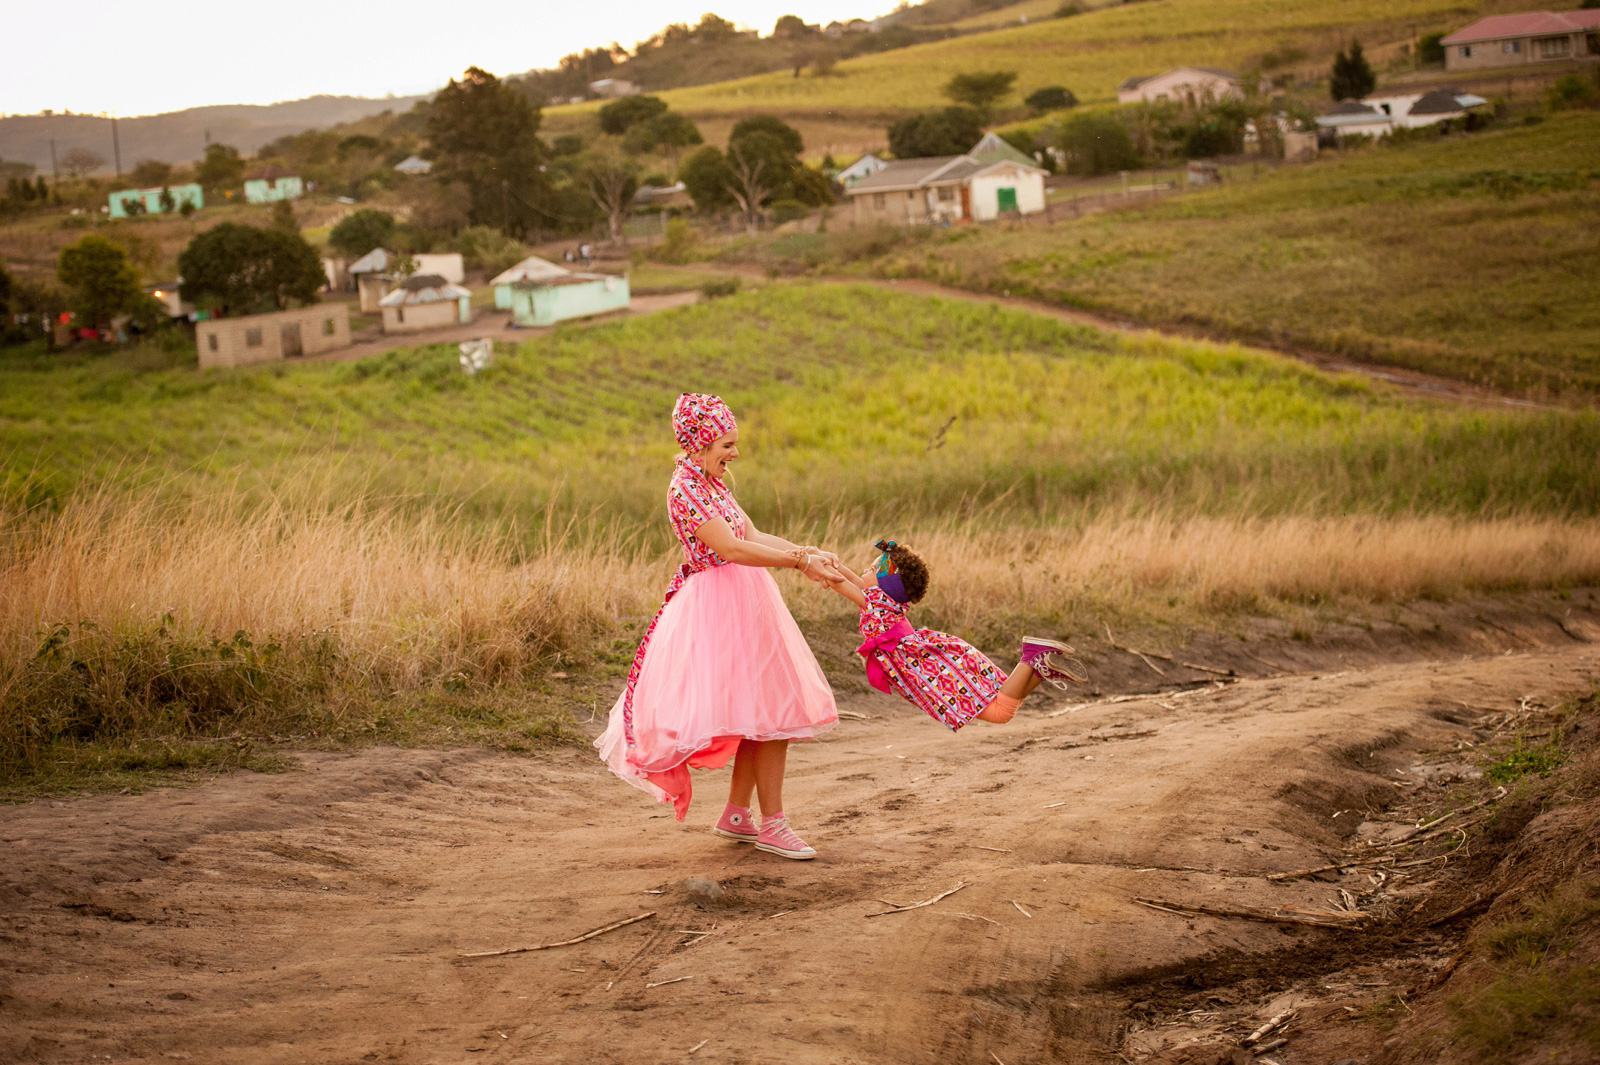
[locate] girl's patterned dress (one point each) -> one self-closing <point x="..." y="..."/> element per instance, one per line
<point x="951" y="680"/>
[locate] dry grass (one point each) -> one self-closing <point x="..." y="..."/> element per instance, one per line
<point x="124" y="617"/>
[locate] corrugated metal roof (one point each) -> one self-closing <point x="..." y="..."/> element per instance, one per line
<point x="904" y="174"/>
<point x="1525" y="24"/>
<point x="423" y="288"/>
<point x="532" y="268"/>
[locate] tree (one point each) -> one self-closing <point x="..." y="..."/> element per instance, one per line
<point x="1053" y="98"/>
<point x="80" y="162"/>
<point x="221" y="168"/>
<point x="41" y="191"/>
<point x="101" y="280"/>
<point x="236" y="269"/>
<point x="949" y="132"/>
<point x="484" y="135"/>
<point x="358" y="233"/>
<point x="980" y="90"/>
<point x="750" y="187"/>
<point x="165" y="201"/>
<point x="1430" y="48"/>
<point x="148" y="173"/>
<point x="707" y="177"/>
<point x="786" y="135"/>
<point x="619" y="116"/>
<point x="792" y="26"/>
<point x="1096" y="144"/>
<point x="612" y="179"/>
<point x="669" y="130"/>
<point x="1352" y="75"/>
<point x="283" y="218"/>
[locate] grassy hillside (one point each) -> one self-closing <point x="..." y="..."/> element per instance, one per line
<point x="386" y="550"/>
<point x="1473" y="257"/>
<point x="1090" y="53"/>
<point x="1055" y="420"/>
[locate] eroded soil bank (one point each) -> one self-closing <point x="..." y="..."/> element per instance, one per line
<point x="320" y="915"/>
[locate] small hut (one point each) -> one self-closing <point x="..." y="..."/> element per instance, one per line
<point x="556" y="299"/>
<point x="532" y="268"/>
<point x="425" y="301"/>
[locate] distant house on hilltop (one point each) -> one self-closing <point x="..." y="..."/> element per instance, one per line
<point x="267" y="184"/>
<point x="613" y="87"/>
<point x="413" y="165"/>
<point x="375" y="275"/>
<point x="125" y="202"/>
<point x="1527" y="37"/>
<point x="1179" y="84"/>
<point x="992" y="180"/>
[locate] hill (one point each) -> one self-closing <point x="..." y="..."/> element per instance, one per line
<point x="1472" y="257"/>
<point x="181" y="136"/>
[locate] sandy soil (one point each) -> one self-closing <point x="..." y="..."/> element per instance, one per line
<point x="320" y="915"/>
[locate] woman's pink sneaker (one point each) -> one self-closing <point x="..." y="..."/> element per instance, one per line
<point x="778" y="838"/>
<point x="736" y="824"/>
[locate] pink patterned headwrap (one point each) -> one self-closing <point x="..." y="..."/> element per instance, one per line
<point x="698" y="419"/>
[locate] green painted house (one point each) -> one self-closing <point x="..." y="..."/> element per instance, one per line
<point x="270" y="183"/>
<point x="546" y="301"/>
<point x="126" y="202"/>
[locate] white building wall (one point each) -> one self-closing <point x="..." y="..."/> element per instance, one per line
<point x="1178" y="85"/>
<point x="986" y="187"/>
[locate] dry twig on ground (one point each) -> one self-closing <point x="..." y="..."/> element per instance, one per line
<point x="565" y="942"/>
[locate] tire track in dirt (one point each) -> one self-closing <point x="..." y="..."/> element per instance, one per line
<point x="320" y="915"/>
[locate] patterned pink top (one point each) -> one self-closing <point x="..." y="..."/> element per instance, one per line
<point x="694" y="498"/>
<point x="950" y="679"/>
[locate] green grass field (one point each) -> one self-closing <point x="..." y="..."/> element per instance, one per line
<point x="828" y="378"/>
<point x="1089" y="53"/>
<point x="1474" y="257"/>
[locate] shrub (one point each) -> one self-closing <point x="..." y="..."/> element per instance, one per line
<point x="1053" y="98"/>
<point x="949" y="132"/>
<point x="619" y="116"/>
<point x="1570" y="91"/>
<point x="359" y="233"/>
<point x="1430" y="48"/>
<point x="722" y="286"/>
<point x="678" y="243"/>
<point x="1096" y="144"/>
<point x="781" y="211"/>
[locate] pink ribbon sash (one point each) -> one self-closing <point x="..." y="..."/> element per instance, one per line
<point x="886" y="643"/>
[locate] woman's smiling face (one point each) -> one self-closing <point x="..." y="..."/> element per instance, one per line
<point x="721" y="451"/>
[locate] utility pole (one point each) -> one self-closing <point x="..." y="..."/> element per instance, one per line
<point x="55" y="168"/>
<point x="116" y="147"/>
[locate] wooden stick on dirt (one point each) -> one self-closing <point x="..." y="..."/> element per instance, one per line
<point x="1112" y="640"/>
<point x="565" y="942"/>
<point x="664" y="983"/>
<point x="1420" y="829"/>
<point x="1256" y="1036"/>
<point x="924" y="902"/>
<point x="1322" y="919"/>
<point x="1207" y="669"/>
<point x="1295" y="874"/>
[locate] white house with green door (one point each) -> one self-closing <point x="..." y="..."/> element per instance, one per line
<point x="993" y="180"/>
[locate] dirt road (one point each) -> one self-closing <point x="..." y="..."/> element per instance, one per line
<point x="320" y="915"/>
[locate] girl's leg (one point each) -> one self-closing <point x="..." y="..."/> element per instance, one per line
<point x="771" y="758"/>
<point x="1016" y="688"/>
<point x="743" y="784"/>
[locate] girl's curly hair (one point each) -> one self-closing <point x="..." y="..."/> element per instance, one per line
<point x="912" y="570"/>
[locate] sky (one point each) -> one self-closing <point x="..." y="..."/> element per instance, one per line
<point x="134" y="59"/>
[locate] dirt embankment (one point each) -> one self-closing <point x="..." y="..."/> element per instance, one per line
<point x="321" y="915"/>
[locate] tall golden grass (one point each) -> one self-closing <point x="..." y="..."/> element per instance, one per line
<point x="119" y="616"/>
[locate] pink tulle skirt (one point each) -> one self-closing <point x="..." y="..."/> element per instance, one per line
<point x="726" y="662"/>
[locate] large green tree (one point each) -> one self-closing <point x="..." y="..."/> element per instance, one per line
<point x="102" y="282"/>
<point x="708" y="179"/>
<point x="1096" y="144"/>
<point x="949" y="132"/>
<point x="619" y="116"/>
<point x="980" y="90"/>
<point x="358" y="233"/>
<point x="236" y="269"/>
<point x="484" y="135"/>
<point x="221" y="168"/>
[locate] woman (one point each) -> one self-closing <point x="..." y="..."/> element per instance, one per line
<point x="722" y="671"/>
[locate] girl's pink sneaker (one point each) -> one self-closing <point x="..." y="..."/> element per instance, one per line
<point x="736" y="824"/>
<point x="778" y="838"/>
<point x="1053" y="661"/>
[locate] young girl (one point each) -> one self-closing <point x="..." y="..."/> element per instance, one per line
<point x="947" y="677"/>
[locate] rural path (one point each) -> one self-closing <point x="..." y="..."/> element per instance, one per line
<point x="321" y="915"/>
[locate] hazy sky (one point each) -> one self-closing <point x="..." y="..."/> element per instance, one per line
<point x="138" y="59"/>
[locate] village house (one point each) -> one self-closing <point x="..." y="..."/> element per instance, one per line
<point x="674" y="195"/>
<point x="532" y="269"/>
<point x="864" y="167"/>
<point x="1182" y="84"/>
<point x="374" y="274"/>
<point x="125" y="202"/>
<point x="224" y="342"/>
<point x="1527" y="37"/>
<point x="548" y="300"/>
<point x="613" y="87"/>
<point x="992" y="180"/>
<point x="1377" y="116"/>
<point x="270" y="183"/>
<point x="413" y="165"/>
<point x="425" y="301"/>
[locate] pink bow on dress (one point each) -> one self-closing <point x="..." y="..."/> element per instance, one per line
<point x="886" y="642"/>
